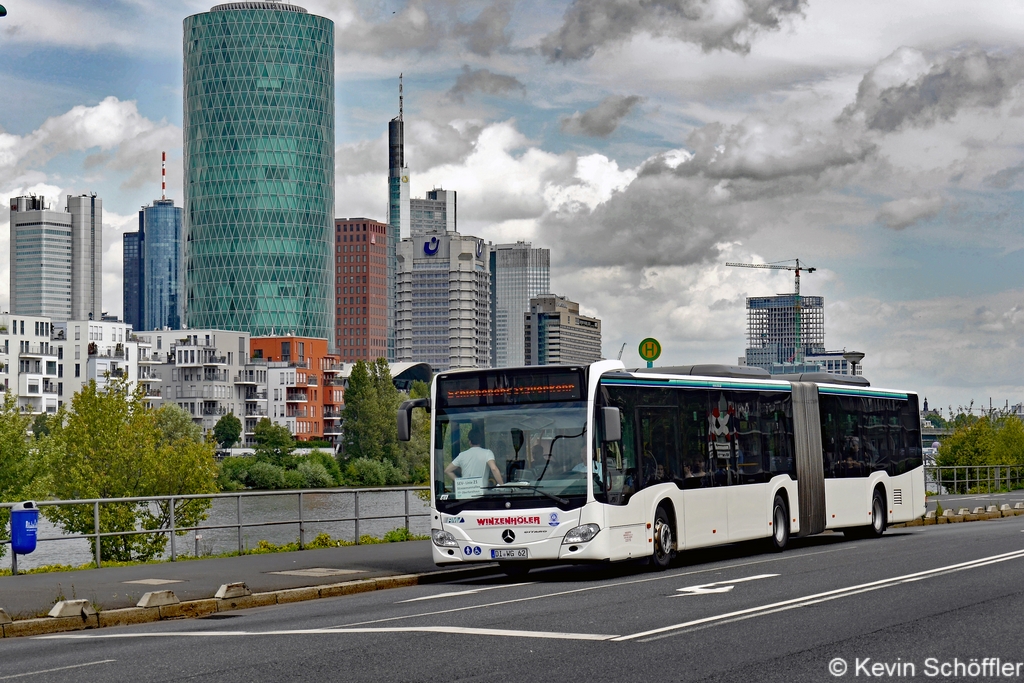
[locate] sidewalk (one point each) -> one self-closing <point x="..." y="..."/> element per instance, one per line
<point x="29" y="595"/>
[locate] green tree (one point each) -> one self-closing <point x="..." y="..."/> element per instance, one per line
<point x="416" y="451"/>
<point x="109" y="444"/>
<point x="227" y="430"/>
<point x="15" y="457"/>
<point x="41" y="425"/>
<point x="361" y="434"/>
<point x="274" y="444"/>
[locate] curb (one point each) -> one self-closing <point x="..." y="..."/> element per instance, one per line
<point x="192" y="609"/>
<point x="953" y="519"/>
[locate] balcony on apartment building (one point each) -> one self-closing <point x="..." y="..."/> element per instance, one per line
<point x="39" y="350"/>
<point x="246" y="377"/>
<point x="332" y="413"/>
<point x="256" y="395"/>
<point x="214" y="409"/>
<point x="255" y="411"/>
<point x="297" y="412"/>
<point x="296" y="397"/>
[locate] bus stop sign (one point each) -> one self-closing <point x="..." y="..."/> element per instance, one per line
<point x="650" y="349"/>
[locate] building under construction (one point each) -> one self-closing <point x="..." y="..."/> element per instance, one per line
<point x="772" y="328"/>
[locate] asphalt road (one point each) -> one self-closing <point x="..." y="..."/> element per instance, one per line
<point x="923" y="596"/>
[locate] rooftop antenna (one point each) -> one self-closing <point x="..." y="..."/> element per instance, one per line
<point x="163" y="175"/>
<point x="400" y="98"/>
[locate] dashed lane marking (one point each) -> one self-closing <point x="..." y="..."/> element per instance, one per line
<point x="59" y="668"/>
<point x="471" y="591"/>
<point x="458" y="630"/>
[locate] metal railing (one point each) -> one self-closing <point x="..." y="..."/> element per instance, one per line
<point x="173" y="531"/>
<point x="960" y="479"/>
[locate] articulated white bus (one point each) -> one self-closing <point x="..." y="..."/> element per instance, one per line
<point x="563" y="464"/>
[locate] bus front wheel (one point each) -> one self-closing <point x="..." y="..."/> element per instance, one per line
<point x="664" y="544"/>
<point x="780" y="524"/>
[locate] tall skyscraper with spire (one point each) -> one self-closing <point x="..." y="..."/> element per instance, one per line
<point x="398" y="210"/>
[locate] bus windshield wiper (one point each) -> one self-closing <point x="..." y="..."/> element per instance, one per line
<point x="524" y="485"/>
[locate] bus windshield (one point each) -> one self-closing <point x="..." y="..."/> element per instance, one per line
<point x="505" y="439"/>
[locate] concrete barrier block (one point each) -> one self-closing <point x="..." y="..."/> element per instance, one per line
<point x="158" y="599"/>
<point x="977" y="511"/>
<point x="991" y="508"/>
<point x="930" y="514"/>
<point x="72" y="608"/>
<point x="948" y="513"/>
<point x="247" y="601"/>
<point x="232" y="590"/>
<point x="189" y="609"/>
<point x="1018" y="506"/>
<point x="963" y="511"/>
<point x="128" y="616"/>
<point x="297" y="594"/>
<point x="5" y="618"/>
<point x="45" y="625"/>
<point x="1004" y="506"/>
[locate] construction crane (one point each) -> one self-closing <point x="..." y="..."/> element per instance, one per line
<point x="777" y="265"/>
<point x="621" y="350"/>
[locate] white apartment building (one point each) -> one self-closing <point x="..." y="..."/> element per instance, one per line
<point x="31" y="362"/>
<point x="98" y="350"/>
<point x="207" y="373"/>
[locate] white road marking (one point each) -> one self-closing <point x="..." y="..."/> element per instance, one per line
<point x="471" y="591"/>
<point x="319" y="572"/>
<point x="459" y="630"/>
<point x="818" y="598"/>
<point x="155" y="582"/>
<point x="59" y="668"/>
<point x="718" y="586"/>
<point x="660" y="577"/>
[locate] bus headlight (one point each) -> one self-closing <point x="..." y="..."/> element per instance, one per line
<point x="581" y="534"/>
<point x="443" y="538"/>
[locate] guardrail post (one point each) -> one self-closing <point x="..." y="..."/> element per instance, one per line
<point x="174" y="554"/>
<point x="238" y="511"/>
<point x="406" y="509"/>
<point x="96" y="531"/>
<point x="356" y="514"/>
<point x="302" y="526"/>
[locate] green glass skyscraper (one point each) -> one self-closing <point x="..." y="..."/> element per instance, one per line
<point x="259" y="170"/>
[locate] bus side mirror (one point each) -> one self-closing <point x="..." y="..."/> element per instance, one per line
<point x="611" y="424"/>
<point x="405" y="415"/>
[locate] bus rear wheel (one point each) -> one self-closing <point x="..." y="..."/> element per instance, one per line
<point x="780" y="524"/>
<point x="878" y="517"/>
<point x="664" y="544"/>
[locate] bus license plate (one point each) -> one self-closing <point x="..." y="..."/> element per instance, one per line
<point x="510" y="553"/>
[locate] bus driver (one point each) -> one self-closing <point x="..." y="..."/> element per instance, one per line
<point x="474" y="462"/>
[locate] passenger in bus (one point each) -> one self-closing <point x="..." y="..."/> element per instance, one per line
<point x="475" y="461"/>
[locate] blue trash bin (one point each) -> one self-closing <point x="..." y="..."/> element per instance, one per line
<point x="24" y="519"/>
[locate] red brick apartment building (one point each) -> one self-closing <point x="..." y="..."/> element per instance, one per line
<point x="361" y="279"/>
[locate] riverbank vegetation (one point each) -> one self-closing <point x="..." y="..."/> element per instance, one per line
<point x="107" y="442"/>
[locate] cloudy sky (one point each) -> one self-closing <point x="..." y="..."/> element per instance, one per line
<point x="645" y="142"/>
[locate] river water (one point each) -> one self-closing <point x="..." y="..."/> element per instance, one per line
<point x="283" y="507"/>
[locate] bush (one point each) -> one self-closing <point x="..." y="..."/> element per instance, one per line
<point x="293" y="479"/>
<point x="263" y="475"/>
<point x="315" y="475"/>
<point x="367" y="472"/>
<point x="328" y="462"/>
<point x="234" y="472"/>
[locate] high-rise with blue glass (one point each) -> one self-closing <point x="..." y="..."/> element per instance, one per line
<point x="153" y="269"/>
<point x="259" y="170"/>
<point x="398" y="211"/>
